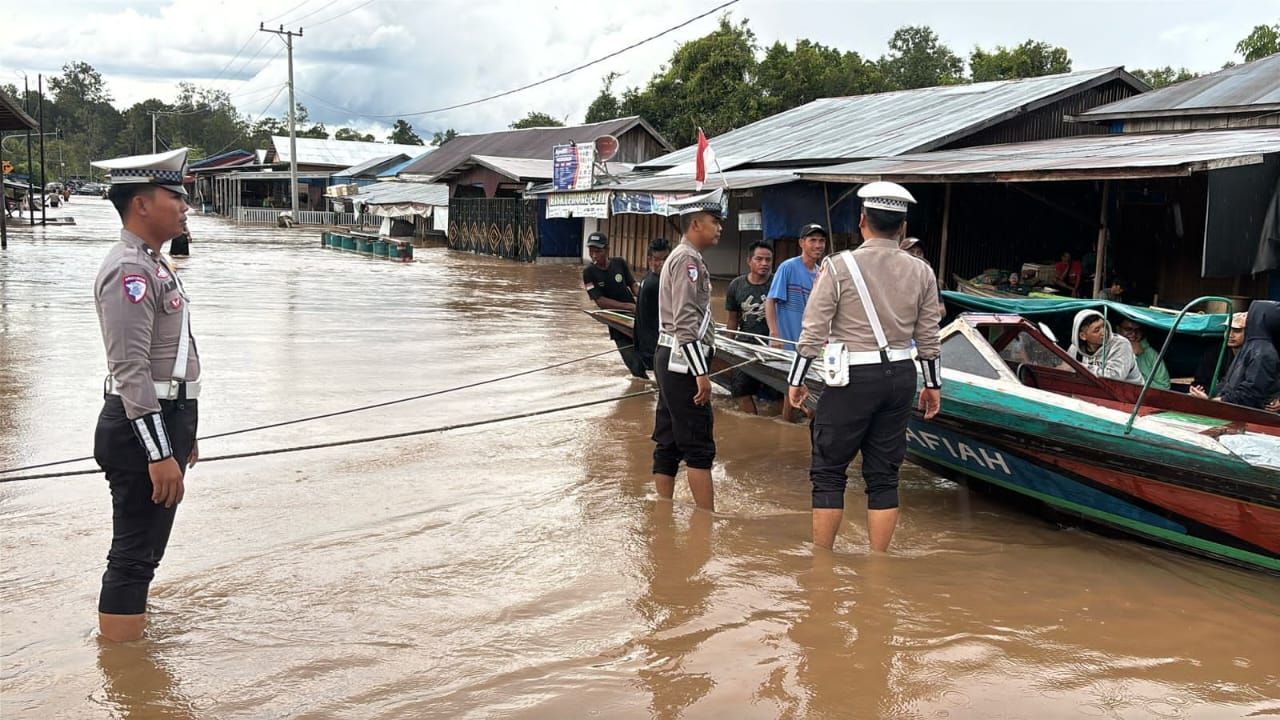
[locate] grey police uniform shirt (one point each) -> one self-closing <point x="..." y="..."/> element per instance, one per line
<point x="903" y="289"/>
<point x="684" y="300"/>
<point x="140" y="305"/>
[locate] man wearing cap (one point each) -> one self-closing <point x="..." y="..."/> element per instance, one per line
<point x="1205" y="379"/>
<point x="682" y="427"/>
<point x="645" y="330"/>
<point x="146" y="433"/>
<point x="789" y="291"/>
<point x="866" y="309"/>
<point x="608" y="282"/>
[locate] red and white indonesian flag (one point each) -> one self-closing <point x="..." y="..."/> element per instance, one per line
<point x="706" y="156"/>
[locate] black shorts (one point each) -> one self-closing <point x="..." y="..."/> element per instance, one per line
<point x="140" y="527"/>
<point x="682" y="430"/>
<point x="869" y="415"/>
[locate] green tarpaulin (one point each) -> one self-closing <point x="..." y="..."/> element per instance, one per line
<point x="1193" y="324"/>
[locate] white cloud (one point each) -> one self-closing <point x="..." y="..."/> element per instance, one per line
<point x="399" y="56"/>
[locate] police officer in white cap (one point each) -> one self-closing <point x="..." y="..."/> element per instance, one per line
<point x="682" y="425"/>
<point x="866" y="308"/>
<point x="146" y="433"/>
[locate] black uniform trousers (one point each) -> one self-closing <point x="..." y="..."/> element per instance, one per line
<point x="682" y="430"/>
<point x="630" y="355"/>
<point x="869" y="415"/>
<point x="140" y="527"/>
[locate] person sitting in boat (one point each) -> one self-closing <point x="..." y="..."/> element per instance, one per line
<point x="1254" y="377"/>
<point x="1205" y="378"/>
<point x="1148" y="360"/>
<point x="1103" y="353"/>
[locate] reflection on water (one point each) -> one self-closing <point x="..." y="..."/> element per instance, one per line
<point x="525" y="569"/>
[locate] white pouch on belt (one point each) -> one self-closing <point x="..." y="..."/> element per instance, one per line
<point x="835" y="365"/>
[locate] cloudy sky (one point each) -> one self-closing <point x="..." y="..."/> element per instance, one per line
<point x="361" y="59"/>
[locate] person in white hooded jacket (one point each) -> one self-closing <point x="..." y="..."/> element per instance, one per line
<point x="1104" y="353"/>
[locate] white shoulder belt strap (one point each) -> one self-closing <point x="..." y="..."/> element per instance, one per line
<point x="872" y="317"/>
<point x="184" y="343"/>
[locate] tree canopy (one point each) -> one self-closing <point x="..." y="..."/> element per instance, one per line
<point x="1030" y="59"/>
<point x="534" y="120"/>
<point x="402" y="134"/>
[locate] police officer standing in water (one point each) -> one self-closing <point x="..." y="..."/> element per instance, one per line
<point x="682" y="425"/>
<point x="146" y="433"/>
<point x="866" y="308"/>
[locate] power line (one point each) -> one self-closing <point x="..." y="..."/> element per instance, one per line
<point x="522" y="88"/>
<point x="286" y="12"/>
<point x="341" y="14"/>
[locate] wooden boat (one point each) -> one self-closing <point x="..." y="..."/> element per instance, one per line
<point x="969" y="287"/>
<point x="1020" y="415"/>
<point x="625" y="323"/>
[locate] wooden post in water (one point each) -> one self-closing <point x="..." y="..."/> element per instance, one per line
<point x="1100" y="251"/>
<point x="946" y="225"/>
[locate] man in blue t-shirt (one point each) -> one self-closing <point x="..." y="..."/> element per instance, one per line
<point x="792" y="283"/>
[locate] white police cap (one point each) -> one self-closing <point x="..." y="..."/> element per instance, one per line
<point x="712" y="202"/>
<point x="883" y="195"/>
<point x="165" y="169"/>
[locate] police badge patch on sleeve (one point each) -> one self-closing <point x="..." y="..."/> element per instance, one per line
<point x="693" y="272"/>
<point x="135" y="288"/>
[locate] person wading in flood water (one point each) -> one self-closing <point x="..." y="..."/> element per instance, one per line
<point x="864" y="330"/>
<point x="682" y="426"/>
<point x="146" y="433"/>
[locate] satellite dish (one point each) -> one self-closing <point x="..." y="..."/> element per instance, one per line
<point x="606" y="147"/>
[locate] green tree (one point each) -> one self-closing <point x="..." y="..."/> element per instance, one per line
<point x="1263" y="41"/>
<point x="605" y="106"/>
<point x="788" y="78"/>
<point x="708" y="83"/>
<point x="1162" y="77"/>
<point x="84" y="112"/>
<point x="402" y="134"/>
<point x="917" y="58"/>
<point x="1030" y="59"/>
<point x="535" y="120"/>
<point x="317" y="131"/>
<point x="352" y="134"/>
<point x="443" y="136"/>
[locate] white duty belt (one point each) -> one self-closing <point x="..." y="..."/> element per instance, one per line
<point x="666" y="339"/>
<point x="885" y="353"/>
<point x="172" y="388"/>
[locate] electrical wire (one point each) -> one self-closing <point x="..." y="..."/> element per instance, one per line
<point x="318" y="23"/>
<point x="522" y="88"/>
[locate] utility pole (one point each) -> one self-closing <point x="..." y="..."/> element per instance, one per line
<point x="44" y="180"/>
<point x="288" y="36"/>
<point x="31" y="168"/>
<point x="153" y="131"/>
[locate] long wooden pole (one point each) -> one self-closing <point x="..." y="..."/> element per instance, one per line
<point x="1100" y="261"/>
<point x="831" y="232"/>
<point x="946" y="231"/>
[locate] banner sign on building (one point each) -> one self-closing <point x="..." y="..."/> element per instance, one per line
<point x="645" y="203"/>
<point x="572" y="166"/>
<point x="594" y="204"/>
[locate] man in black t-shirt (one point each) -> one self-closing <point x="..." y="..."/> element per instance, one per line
<point x="744" y="301"/>
<point x="646" y="327"/>
<point x="608" y="281"/>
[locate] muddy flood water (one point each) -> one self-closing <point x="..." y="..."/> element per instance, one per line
<point x="525" y="569"/>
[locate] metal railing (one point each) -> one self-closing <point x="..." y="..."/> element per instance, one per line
<point x="270" y="216"/>
<point x="1128" y="427"/>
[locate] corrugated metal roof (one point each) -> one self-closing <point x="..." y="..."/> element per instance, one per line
<point x="527" y="143"/>
<point x="1253" y="86"/>
<point x="230" y="157"/>
<point x="12" y="116"/>
<point x="369" y="166"/>
<point x="391" y="192"/>
<point x="338" y="153"/>
<point x="395" y="169"/>
<point x="1086" y="157"/>
<point x="891" y="123"/>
